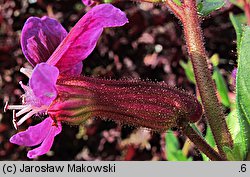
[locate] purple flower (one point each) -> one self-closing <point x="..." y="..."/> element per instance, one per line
<point x="42" y="133"/>
<point x="55" y="54"/>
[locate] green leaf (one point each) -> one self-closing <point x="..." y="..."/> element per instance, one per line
<point x="233" y="125"/>
<point x="238" y="21"/>
<point x="210" y="138"/>
<point x="205" y="7"/>
<point x="243" y="90"/>
<point x="188" y="70"/>
<point x="234" y="154"/>
<point x="173" y="151"/>
<point x="221" y="87"/>
<point x="237" y="153"/>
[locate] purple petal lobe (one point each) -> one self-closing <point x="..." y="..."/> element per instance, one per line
<point x="40" y="37"/>
<point x="83" y="37"/>
<point x="47" y="143"/>
<point x="34" y="135"/>
<point x="74" y="71"/>
<point x="43" y="81"/>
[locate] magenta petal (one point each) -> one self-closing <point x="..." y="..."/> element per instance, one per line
<point x="83" y="37"/>
<point x="43" y="81"/>
<point x="74" y="71"/>
<point x="47" y="143"/>
<point x="34" y="135"/>
<point x="40" y="37"/>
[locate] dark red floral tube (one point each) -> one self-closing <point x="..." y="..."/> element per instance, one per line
<point x="133" y="102"/>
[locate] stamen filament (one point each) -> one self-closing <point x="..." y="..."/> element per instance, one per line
<point x="14" y="119"/>
<point x="24" y="110"/>
<point x="31" y="113"/>
<point x="13" y="107"/>
<point x="25" y="87"/>
<point x="24" y="118"/>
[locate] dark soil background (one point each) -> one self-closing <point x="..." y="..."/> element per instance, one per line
<point x="149" y="47"/>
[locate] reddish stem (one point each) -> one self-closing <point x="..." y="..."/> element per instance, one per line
<point x="201" y="143"/>
<point x="177" y="10"/>
<point x="197" y="54"/>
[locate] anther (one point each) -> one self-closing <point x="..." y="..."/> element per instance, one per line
<point x="25" y="87"/>
<point x="13" y="107"/>
<point x="6" y="106"/>
<point x="23" y="99"/>
<point x="14" y="119"/>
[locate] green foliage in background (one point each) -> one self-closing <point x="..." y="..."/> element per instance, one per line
<point x="173" y="151"/>
<point x="188" y="70"/>
<point x="217" y="76"/>
<point x="210" y="140"/>
<point x="205" y="7"/>
<point x="220" y="81"/>
<point x="243" y="92"/>
<point x="239" y="127"/>
<point x="238" y="21"/>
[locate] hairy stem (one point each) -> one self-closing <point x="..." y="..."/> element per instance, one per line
<point x="177" y="10"/>
<point x="197" y="54"/>
<point x="200" y="143"/>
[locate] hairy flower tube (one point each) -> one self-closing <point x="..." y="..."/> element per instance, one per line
<point x="55" y="54"/>
<point x="155" y="106"/>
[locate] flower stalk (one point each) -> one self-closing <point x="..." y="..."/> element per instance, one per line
<point x="201" y="143"/>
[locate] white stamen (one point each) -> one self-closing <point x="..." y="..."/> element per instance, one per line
<point x="13" y="107"/>
<point x="23" y="99"/>
<point x="6" y="106"/>
<point x="31" y="113"/>
<point x="25" y="87"/>
<point x="14" y="119"/>
<point x="24" y="118"/>
<point x="27" y="72"/>
<point x="28" y="109"/>
<point x="24" y="110"/>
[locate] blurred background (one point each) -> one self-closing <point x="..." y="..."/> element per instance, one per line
<point x="150" y="46"/>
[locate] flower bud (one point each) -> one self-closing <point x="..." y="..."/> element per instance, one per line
<point x="133" y="102"/>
